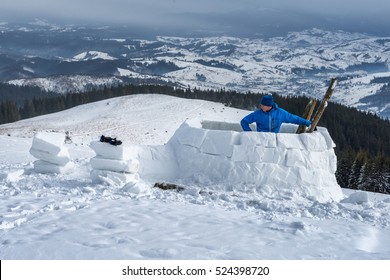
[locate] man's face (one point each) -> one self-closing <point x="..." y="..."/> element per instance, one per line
<point x="265" y="108"/>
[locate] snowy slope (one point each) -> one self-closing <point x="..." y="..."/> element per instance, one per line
<point x="67" y="216"/>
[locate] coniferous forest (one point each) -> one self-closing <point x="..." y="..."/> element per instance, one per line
<point x="362" y="139"/>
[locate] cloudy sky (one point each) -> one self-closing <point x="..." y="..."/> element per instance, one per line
<point x="224" y="14"/>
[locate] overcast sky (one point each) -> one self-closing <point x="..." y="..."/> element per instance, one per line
<point x="186" y="12"/>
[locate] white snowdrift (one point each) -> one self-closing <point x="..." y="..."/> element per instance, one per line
<point x="219" y="153"/>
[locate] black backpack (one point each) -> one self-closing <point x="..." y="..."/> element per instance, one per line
<point x="110" y="140"/>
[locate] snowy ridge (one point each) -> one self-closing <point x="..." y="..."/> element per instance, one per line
<point x="70" y="216"/>
<point x="300" y="63"/>
<point x="68" y="84"/>
<point x="92" y="55"/>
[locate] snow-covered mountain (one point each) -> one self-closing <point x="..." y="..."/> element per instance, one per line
<point x="69" y="216"/>
<point x="300" y="63"/>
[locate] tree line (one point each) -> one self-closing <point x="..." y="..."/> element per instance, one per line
<point x="362" y="139"/>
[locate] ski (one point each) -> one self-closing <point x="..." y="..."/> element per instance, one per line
<point x="323" y="105"/>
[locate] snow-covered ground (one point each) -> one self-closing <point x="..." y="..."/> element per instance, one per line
<point x="68" y="216"/>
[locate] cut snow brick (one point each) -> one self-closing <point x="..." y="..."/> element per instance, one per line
<point x="61" y="158"/>
<point x="219" y="142"/>
<point x="314" y="141"/>
<point x="289" y="141"/>
<point x="50" y="142"/>
<point x="327" y="137"/>
<point x="265" y="139"/>
<point x="294" y="157"/>
<point x="106" y="150"/>
<point x="41" y="166"/>
<point x="128" y="166"/>
<point x="190" y="136"/>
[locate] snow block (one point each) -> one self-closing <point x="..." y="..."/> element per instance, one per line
<point x="327" y="137"/>
<point x="157" y="162"/>
<point x="288" y="128"/>
<point x="289" y="141"/>
<point x="274" y="155"/>
<point x="265" y="139"/>
<point x="190" y="159"/>
<point x="115" y="165"/>
<point x="108" y="151"/>
<point x="52" y="155"/>
<point x="253" y="154"/>
<point x="190" y="136"/>
<point x="112" y="178"/>
<point x="246" y="153"/>
<point x="61" y="158"/>
<point x="219" y="142"/>
<point x="314" y="141"/>
<point x="42" y="166"/>
<point x="49" y="142"/>
<point x="295" y="157"/>
<point x="222" y="126"/>
<point x="128" y="166"/>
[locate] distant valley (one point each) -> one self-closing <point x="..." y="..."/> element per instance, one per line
<point x="65" y="59"/>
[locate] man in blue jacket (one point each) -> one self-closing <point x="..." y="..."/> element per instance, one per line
<point x="270" y="117"/>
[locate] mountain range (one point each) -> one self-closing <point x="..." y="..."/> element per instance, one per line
<point x="69" y="58"/>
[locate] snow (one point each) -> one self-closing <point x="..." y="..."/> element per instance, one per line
<point x="91" y="55"/>
<point x="66" y="84"/>
<point x="49" y="142"/>
<point x="52" y="156"/>
<point x="99" y="212"/>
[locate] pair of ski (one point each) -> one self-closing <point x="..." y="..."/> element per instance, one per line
<point x="320" y="110"/>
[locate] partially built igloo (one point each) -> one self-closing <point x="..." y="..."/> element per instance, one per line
<point x="210" y="153"/>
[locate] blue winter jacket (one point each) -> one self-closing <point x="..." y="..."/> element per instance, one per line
<point x="272" y="120"/>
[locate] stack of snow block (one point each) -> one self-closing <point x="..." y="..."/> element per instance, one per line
<point x="115" y="165"/>
<point x="52" y="155"/>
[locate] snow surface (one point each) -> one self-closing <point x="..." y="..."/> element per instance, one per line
<point x="77" y="215"/>
<point x="91" y="55"/>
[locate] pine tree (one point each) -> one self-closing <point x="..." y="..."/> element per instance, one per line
<point x="381" y="175"/>
<point x="9" y="112"/>
<point x="28" y="110"/>
<point x="344" y="166"/>
<point x="357" y="169"/>
<point x="366" y="179"/>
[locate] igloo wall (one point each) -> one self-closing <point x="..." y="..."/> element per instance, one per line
<point x="220" y="153"/>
